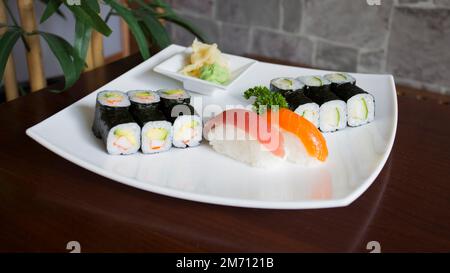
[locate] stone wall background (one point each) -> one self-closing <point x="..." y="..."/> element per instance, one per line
<point x="407" y="38"/>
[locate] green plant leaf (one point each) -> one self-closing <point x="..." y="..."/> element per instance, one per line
<point x="172" y="17"/>
<point x="52" y="6"/>
<point x="92" y="18"/>
<point x="92" y="5"/>
<point x="66" y="55"/>
<point x="82" y="37"/>
<point x="156" y="30"/>
<point x="149" y="6"/>
<point x="134" y="26"/>
<point x="7" y="40"/>
<point x="169" y="15"/>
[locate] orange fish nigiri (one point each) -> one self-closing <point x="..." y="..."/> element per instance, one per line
<point x="305" y="131"/>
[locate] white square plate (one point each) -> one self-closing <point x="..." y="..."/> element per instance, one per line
<point x="171" y="67"/>
<point x="356" y="155"/>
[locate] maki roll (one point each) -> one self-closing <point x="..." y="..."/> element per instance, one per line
<point x="303" y="106"/>
<point x="285" y="85"/>
<point x="156" y="136"/>
<point x="114" y="124"/>
<point x="360" y="104"/>
<point x="187" y="126"/>
<point x="144" y="106"/>
<point x="337" y="79"/>
<point x="156" y="133"/>
<point x="171" y="97"/>
<point x="333" y="110"/>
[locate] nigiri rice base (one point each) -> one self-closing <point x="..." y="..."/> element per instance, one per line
<point x="241" y="147"/>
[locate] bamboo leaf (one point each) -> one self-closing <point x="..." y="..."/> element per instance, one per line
<point x="156" y="30"/>
<point x="92" y="4"/>
<point x="82" y="37"/>
<point x="172" y="17"/>
<point x="92" y="18"/>
<point x="66" y="55"/>
<point x="7" y="40"/>
<point x="52" y="6"/>
<point x="134" y="26"/>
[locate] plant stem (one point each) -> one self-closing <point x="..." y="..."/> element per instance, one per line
<point x="11" y="15"/>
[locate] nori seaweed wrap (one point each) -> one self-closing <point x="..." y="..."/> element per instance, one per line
<point x="347" y="90"/>
<point x="145" y="106"/>
<point x="303" y="106"/>
<point x="114" y="124"/>
<point x="296" y="99"/>
<point x="171" y="97"/>
<point x="175" y="111"/>
<point x="333" y="110"/>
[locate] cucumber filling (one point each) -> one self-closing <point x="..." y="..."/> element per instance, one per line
<point x="338" y="119"/>
<point x="331" y="117"/>
<point x="360" y="110"/>
<point x="309" y="115"/>
<point x="286" y="83"/>
<point x="316" y="81"/>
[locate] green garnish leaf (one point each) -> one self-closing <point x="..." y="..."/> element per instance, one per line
<point x="265" y="99"/>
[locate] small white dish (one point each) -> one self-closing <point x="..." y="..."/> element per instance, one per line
<point x="171" y="67"/>
<point x="356" y="155"/>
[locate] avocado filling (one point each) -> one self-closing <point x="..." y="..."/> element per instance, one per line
<point x="157" y="137"/>
<point x="111" y="95"/>
<point x="174" y="93"/>
<point x="143" y="94"/>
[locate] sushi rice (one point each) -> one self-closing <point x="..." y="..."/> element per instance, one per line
<point x="247" y="149"/>
<point x="309" y="111"/>
<point x="333" y="116"/>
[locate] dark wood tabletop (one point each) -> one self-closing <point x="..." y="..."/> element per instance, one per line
<point x="46" y="201"/>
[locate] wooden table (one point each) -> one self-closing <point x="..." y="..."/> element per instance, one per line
<point x="46" y="201"/>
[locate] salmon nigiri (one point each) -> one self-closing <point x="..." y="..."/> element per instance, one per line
<point x="245" y="136"/>
<point x="301" y="136"/>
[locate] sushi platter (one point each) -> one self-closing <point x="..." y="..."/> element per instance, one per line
<point x="271" y="136"/>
